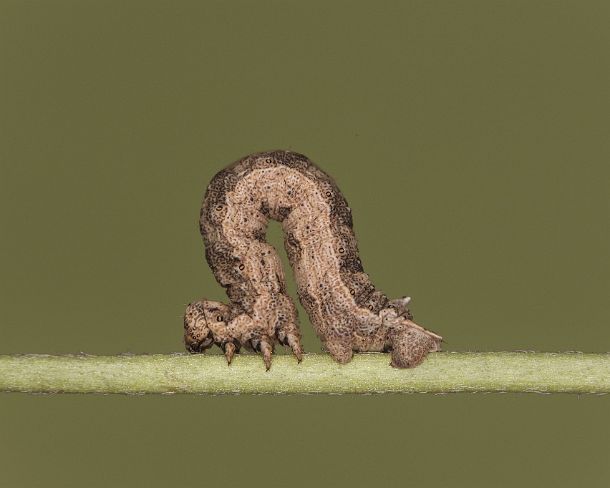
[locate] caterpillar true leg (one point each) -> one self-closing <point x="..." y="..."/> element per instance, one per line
<point x="289" y="335"/>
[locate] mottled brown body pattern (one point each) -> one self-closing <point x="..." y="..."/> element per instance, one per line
<point x="347" y="311"/>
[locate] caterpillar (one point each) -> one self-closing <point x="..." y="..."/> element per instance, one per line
<point x="346" y="310"/>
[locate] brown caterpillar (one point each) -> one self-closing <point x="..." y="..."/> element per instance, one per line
<point x="347" y="311"/>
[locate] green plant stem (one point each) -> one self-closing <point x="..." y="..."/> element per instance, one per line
<point x="318" y="373"/>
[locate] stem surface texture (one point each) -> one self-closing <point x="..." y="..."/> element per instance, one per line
<point x="443" y="372"/>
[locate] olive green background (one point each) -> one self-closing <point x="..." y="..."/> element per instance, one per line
<point x="470" y="139"/>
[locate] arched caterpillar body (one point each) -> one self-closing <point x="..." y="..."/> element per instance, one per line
<point x="347" y="311"/>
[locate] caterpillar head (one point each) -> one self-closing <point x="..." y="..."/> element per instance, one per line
<point x="201" y="320"/>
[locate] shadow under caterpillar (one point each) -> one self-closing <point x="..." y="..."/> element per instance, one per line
<point x="347" y="312"/>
